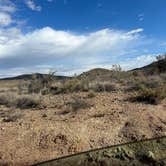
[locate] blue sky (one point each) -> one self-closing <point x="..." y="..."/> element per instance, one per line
<point x="72" y="36"/>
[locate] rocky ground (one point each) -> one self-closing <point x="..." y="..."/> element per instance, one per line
<point x="141" y="153"/>
<point x="54" y="131"/>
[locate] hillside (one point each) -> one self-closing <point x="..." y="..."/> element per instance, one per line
<point x="153" y="68"/>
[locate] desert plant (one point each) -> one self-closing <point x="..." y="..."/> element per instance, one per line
<point x="91" y="94"/>
<point x="4" y="99"/>
<point x="71" y="85"/>
<point x="13" y="117"/>
<point x="161" y="57"/>
<point x="151" y="95"/>
<point x="77" y="103"/>
<point x="25" y="102"/>
<point x="37" y="84"/>
<point x="116" y="68"/>
<point x="103" y="87"/>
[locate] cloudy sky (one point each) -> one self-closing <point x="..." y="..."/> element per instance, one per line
<point x="72" y="36"/>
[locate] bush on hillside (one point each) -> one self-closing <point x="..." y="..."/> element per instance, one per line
<point x="151" y="95"/>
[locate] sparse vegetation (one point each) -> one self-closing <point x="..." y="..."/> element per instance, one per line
<point x="94" y="102"/>
<point x="42" y="84"/>
<point x="13" y="117"/>
<point x="151" y="95"/>
<point x="26" y="102"/>
<point x="21" y="101"/>
<point x="91" y="94"/>
<point x="5" y="99"/>
<point x="77" y="103"/>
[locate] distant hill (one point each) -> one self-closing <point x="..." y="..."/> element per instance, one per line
<point x="96" y="71"/>
<point x="97" y="74"/>
<point x="29" y="76"/>
<point x="101" y="73"/>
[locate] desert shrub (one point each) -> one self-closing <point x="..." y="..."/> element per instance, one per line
<point x="72" y="85"/>
<point x="45" y="91"/>
<point x="38" y="83"/>
<point x="25" y="102"/>
<point x="91" y="94"/>
<point x="13" y="117"/>
<point x="151" y="95"/>
<point x="35" y="84"/>
<point x="77" y="103"/>
<point x="4" y="99"/>
<point x="142" y="82"/>
<point x="116" y="67"/>
<point x="103" y="87"/>
<point x="161" y="57"/>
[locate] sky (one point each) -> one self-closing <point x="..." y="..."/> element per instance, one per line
<point x="73" y="36"/>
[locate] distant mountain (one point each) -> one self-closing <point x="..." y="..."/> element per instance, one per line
<point x="29" y="76"/>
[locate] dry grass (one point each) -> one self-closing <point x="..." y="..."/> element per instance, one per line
<point x="77" y="103"/>
<point x="20" y="101"/>
<point x="26" y="102"/>
<point x="150" y="95"/>
<point x="13" y="117"/>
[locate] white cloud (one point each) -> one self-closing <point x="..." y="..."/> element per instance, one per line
<point x="69" y="52"/>
<point x="31" y="4"/>
<point x="138" y="61"/>
<point x="7" y="6"/>
<point x="141" y="17"/>
<point x="5" y="19"/>
<point x="50" y="42"/>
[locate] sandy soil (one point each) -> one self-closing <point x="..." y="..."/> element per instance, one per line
<point x="48" y="133"/>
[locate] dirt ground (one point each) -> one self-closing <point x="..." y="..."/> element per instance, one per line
<point x="48" y="133"/>
<point x="142" y="153"/>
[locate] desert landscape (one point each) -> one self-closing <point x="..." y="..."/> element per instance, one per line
<point x="44" y="116"/>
